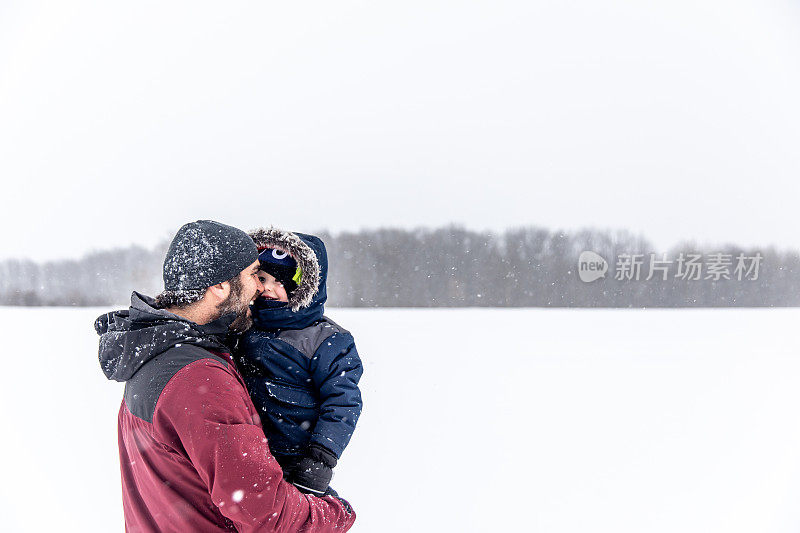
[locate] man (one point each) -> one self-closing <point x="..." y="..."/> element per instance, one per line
<point x="192" y="451"/>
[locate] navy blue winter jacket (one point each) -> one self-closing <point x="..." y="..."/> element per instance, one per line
<point x="301" y="368"/>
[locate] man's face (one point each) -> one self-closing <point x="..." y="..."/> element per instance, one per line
<point x="241" y="297"/>
<point x="273" y="289"/>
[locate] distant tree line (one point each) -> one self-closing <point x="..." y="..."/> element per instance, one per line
<point x="455" y="267"/>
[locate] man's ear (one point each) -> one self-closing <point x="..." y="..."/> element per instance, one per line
<point x="219" y="292"/>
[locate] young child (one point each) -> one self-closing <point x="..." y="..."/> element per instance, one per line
<point x="300" y="367"/>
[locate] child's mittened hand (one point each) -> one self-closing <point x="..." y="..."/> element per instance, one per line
<point x="313" y="472"/>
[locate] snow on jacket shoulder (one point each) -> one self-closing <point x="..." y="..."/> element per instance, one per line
<point x="193" y="455"/>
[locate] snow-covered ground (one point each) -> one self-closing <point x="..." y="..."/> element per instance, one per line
<point x="475" y="420"/>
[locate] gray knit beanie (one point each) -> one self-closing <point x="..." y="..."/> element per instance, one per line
<point x="205" y="253"/>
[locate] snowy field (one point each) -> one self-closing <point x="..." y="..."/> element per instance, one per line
<point x="557" y="421"/>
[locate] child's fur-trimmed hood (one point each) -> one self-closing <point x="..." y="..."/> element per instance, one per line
<point x="306" y="259"/>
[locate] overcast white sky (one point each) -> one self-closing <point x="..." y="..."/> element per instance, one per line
<point x="121" y="121"/>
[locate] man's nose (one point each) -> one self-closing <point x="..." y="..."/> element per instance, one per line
<point x="260" y="286"/>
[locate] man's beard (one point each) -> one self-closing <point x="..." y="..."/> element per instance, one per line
<point x="235" y="304"/>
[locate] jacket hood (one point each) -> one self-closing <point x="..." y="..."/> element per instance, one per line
<point x="307" y="302"/>
<point x="129" y="338"/>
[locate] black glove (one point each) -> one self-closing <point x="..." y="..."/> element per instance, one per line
<point x="313" y="472"/>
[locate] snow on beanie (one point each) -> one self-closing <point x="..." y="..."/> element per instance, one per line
<point x="205" y="253"/>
